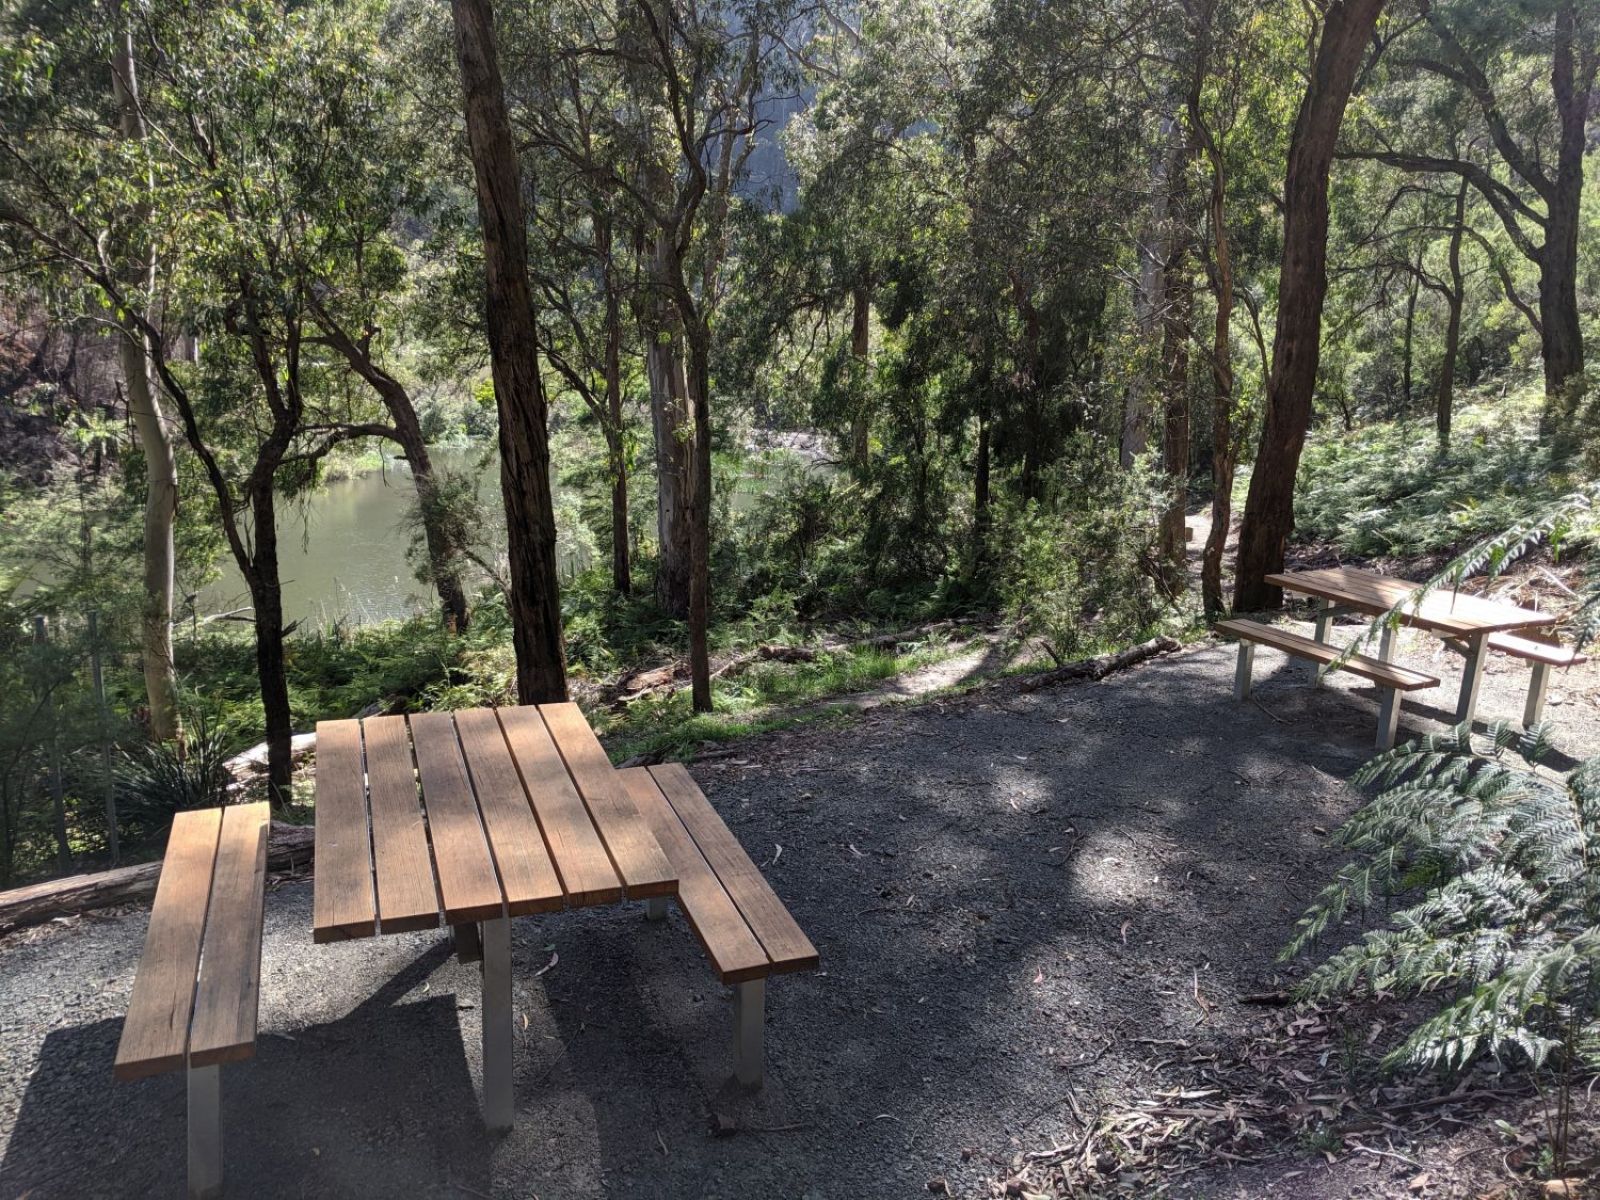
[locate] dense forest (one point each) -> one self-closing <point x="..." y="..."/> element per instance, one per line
<point x="777" y="323"/>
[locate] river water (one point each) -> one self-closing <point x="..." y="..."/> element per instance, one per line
<point x="342" y="550"/>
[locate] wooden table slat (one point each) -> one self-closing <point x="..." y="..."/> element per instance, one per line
<point x="407" y="897"/>
<point x="228" y="993"/>
<point x="155" y="1035"/>
<point x="575" y="847"/>
<point x="1443" y="611"/>
<point x="468" y="884"/>
<point x="782" y="938"/>
<point x="527" y="875"/>
<point x="342" y="906"/>
<point x="735" y="952"/>
<point x="640" y="862"/>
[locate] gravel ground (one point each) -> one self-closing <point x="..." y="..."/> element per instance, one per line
<point x="1019" y="899"/>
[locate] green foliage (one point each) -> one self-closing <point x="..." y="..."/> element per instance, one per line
<point x="1389" y="492"/>
<point x="157" y="779"/>
<point x="1081" y="576"/>
<point x="1498" y="865"/>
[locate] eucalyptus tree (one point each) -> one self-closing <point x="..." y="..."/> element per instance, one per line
<point x="1520" y="80"/>
<point x="585" y="245"/>
<point x="1347" y="28"/>
<point x="157" y="437"/>
<point x="75" y="189"/>
<point x="534" y="591"/>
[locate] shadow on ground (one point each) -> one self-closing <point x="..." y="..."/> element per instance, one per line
<point x="1018" y="900"/>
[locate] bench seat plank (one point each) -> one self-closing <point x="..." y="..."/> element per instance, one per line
<point x="468" y="885"/>
<point x="1550" y="654"/>
<point x="639" y="860"/>
<point x="227" y="995"/>
<point x="407" y="897"/>
<point x="526" y="872"/>
<point x="343" y="906"/>
<point x="1383" y="673"/>
<point x="735" y="953"/>
<point x="782" y="938"/>
<point x="579" y="855"/>
<point x="155" y="1035"/>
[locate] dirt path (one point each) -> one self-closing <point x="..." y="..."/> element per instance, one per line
<point x="1033" y="910"/>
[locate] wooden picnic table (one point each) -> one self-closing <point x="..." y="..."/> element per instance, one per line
<point x="468" y="818"/>
<point x="1460" y="619"/>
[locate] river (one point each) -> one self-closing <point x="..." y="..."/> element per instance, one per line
<point x="342" y="549"/>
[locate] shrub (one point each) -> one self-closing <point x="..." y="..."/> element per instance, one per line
<point x="158" y="779"/>
<point x="1501" y="862"/>
<point x="1082" y="575"/>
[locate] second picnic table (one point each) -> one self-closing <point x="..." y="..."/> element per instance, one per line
<point x="474" y="817"/>
<point x="1460" y="619"/>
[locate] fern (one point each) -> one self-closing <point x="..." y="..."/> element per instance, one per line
<point x="1497" y="865"/>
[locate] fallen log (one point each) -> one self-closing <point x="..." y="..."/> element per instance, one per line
<point x="1099" y="668"/>
<point x="289" y="849"/>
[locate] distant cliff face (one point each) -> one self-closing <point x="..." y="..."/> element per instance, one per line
<point x="770" y="181"/>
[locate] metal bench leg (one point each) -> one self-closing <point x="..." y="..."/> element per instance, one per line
<point x="655" y="908"/>
<point x="1534" y="709"/>
<point x="205" y="1132"/>
<point x="1241" y="673"/>
<point x="749" y="1022"/>
<point x="498" y="1038"/>
<point x="1472" y="680"/>
<point x="1388" y="718"/>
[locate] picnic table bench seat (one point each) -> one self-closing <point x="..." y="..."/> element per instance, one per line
<point x="1391" y="679"/>
<point x="1542" y="654"/>
<point x="746" y="931"/>
<point x="195" y="997"/>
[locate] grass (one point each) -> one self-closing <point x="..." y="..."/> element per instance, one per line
<point x="768" y="697"/>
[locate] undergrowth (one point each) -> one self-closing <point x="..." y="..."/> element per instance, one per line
<point x="1387" y="490"/>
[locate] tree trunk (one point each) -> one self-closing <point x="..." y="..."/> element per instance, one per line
<point x="407" y="431"/>
<point x="535" y="590"/>
<point x="1444" y="396"/>
<point x="980" y="489"/>
<point x="1572" y="78"/>
<point x="1175" y="424"/>
<point x="1302" y="287"/>
<point x="1224" y="451"/>
<point x="860" y="349"/>
<point x="266" y="595"/>
<point x="1408" y="332"/>
<point x="699" y="339"/>
<point x="436" y="540"/>
<point x="161" y="464"/>
<point x="669" y="420"/>
<point x="1149" y="298"/>
<point x="621" y="564"/>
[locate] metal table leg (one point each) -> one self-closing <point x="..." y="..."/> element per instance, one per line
<point x="1533" y="710"/>
<point x="498" y="1039"/>
<point x="1324" y="623"/>
<point x="1472" y="679"/>
<point x="1389" y="706"/>
<point x="1242" y="671"/>
<point x="205" y="1132"/>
